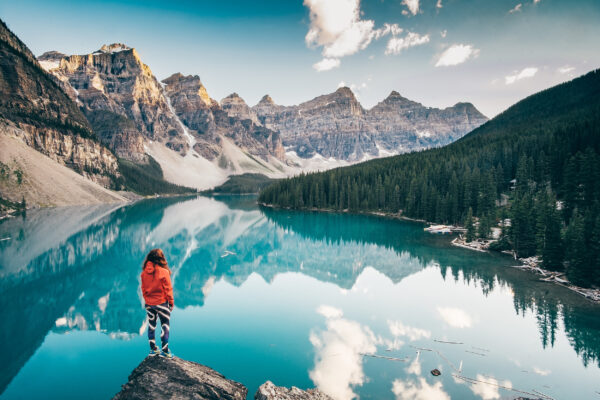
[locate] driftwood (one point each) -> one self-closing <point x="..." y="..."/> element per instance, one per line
<point x="474" y="352"/>
<point x="459" y="242"/>
<point x="475" y="381"/>
<point x="384" y="357"/>
<point x="421" y="348"/>
<point x="443" y="341"/>
<point x="532" y="264"/>
<point x="542" y="394"/>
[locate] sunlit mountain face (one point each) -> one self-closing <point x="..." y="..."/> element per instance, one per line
<point x="304" y="299"/>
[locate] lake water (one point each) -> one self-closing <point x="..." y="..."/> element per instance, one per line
<point x="304" y="299"/>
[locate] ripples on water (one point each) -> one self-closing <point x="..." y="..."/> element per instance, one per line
<point x="304" y="299"/>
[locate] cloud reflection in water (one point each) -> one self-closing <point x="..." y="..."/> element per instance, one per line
<point x="338" y="354"/>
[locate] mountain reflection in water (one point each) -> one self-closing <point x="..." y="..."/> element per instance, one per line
<point x="77" y="269"/>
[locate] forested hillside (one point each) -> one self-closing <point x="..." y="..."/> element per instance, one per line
<point x="537" y="164"/>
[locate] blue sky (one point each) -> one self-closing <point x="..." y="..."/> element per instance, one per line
<point x="438" y="52"/>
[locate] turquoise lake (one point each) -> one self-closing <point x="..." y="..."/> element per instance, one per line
<point x="303" y="299"/>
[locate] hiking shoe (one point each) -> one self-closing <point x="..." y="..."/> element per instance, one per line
<point x="166" y="354"/>
<point x="154" y="352"/>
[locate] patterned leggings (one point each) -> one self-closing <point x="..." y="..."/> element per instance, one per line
<point x="155" y="312"/>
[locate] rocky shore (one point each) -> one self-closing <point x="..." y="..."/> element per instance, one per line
<point x="161" y="378"/>
<point x="532" y="264"/>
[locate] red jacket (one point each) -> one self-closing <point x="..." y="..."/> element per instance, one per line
<point x="156" y="285"/>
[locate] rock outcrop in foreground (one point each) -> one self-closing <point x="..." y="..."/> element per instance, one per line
<point x="160" y="378"/>
<point x="268" y="391"/>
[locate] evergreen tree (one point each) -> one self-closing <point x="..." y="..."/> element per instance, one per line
<point x="470" y="235"/>
<point x="552" y="250"/>
<point x="595" y="252"/>
<point x="578" y="265"/>
<point x="483" y="230"/>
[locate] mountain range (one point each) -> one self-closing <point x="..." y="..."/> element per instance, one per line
<point x="106" y="116"/>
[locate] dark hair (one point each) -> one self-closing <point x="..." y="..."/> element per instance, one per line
<point x="156" y="256"/>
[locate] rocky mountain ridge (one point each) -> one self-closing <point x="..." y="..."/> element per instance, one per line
<point x="176" y="122"/>
<point x="212" y="121"/>
<point x="336" y="125"/>
<point x="113" y="81"/>
<point x="332" y="127"/>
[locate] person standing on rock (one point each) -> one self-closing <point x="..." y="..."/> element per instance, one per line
<point x="158" y="296"/>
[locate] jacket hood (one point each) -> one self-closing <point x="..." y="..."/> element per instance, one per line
<point x="149" y="268"/>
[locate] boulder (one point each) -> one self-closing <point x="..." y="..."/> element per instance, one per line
<point x="161" y="378"/>
<point x="268" y="391"/>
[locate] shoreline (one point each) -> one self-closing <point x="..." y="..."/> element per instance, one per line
<point x="530" y="264"/>
<point x="130" y="198"/>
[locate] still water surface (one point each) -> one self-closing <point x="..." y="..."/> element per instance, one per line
<point x="304" y="299"/>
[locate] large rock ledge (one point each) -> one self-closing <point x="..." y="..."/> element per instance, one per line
<point x="161" y="378"/>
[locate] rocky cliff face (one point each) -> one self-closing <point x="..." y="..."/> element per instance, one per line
<point x="211" y="121"/>
<point x="267" y="109"/>
<point x="331" y="125"/>
<point x="127" y="105"/>
<point x="404" y="125"/>
<point x="115" y="80"/>
<point x="236" y="107"/>
<point x="85" y="156"/>
<point x="34" y="106"/>
<point x="336" y="125"/>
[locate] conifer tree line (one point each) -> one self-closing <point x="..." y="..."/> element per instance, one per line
<point x="536" y="165"/>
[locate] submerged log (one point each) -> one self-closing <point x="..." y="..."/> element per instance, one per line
<point x="160" y="378"/>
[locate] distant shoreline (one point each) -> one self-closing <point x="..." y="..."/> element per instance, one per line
<point x="527" y="264"/>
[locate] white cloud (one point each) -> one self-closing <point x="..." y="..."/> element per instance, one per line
<point x="394" y="29"/>
<point x="439" y="4"/>
<point x="443" y="33"/>
<point x="396" y="45"/>
<point x="488" y="391"/>
<point x="412" y="5"/>
<point x="566" y="69"/>
<point x="326" y="64"/>
<point x="420" y="390"/>
<point x="338" y="354"/>
<point x="536" y="1"/>
<point x="397" y="328"/>
<point x="456" y="54"/>
<point x="325" y="310"/>
<point x="455" y="317"/>
<point x="336" y="27"/>
<point x="517" y="8"/>
<point x="528" y="72"/>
